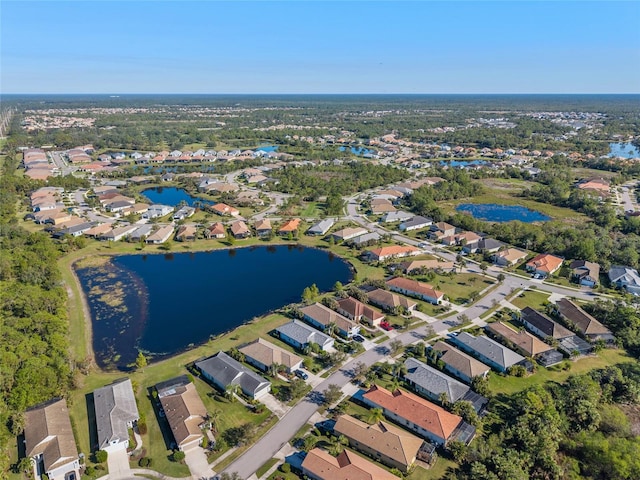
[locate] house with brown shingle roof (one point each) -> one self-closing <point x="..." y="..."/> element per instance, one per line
<point x="239" y="229"/>
<point x="290" y="226"/>
<point x="544" y="264"/>
<point x="348" y="233"/>
<point x="463" y="366"/>
<point x="183" y="409"/>
<point x="224" y="209"/>
<point x="382" y="208"/>
<point x="263" y="354"/>
<point x="575" y="316"/>
<point x="319" y="465"/>
<point x="215" y="230"/>
<point x="161" y="235"/>
<point x="187" y="233"/>
<point x="415" y="413"/>
<point x="521" y="341"/>
<point x="508" y="257"/>
<point x="321" y="317"/>
<point x="49" y="440"/>
<point x="393" y="251"/>
<point x="263" y="227"/>
<point x="585" y="273"/>
<point x="359" y="312"/>
<point x="383" y="441"/>
<point x="414" y="288"/>
<point x="390" y="301"/>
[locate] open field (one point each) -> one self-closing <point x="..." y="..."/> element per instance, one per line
<point x="530" y="298"/>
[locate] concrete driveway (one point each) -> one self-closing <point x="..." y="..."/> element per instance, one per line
<point x="118" y="463"/>
<point x="196" y="460"/>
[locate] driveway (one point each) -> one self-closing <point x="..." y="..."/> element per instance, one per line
<point x="118" y="463"/>
<point x="196" y="460"/>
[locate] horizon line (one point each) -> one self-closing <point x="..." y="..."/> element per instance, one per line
<point x="319" y="93"/>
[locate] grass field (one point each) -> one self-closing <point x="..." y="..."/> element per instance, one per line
<point x="530" y="298"/>
<point x="459" y="286"/>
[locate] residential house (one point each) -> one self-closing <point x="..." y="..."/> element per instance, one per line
<point x="321" y="228"/>
<point x="575" y="316"/>
<point x="418" y="415"/>
<point x="599" y="187"/>
<point x="76" y="230"/>
<point x="508" y="257"/>
<point x="320" y="465"/>
<point x="585" y="273"/>
<point x="365" y="240"/>
<point x="433" y="383"/>
<point x="240" y="230"/>
<point x="141" y="233"/>
<point x="414" y="288"/>
<point x="187" y="233"/>
<point x="459" y="363"/>
<point x="184" y="212"/>
<point x="408" y="267"/>
<point x="263" y="355"/>
<point x="290" y="227"/>
<point x="263" y="227"/>
<point x="488" y="351"/>
<point x="49" y="441"/>
<point x="224" y="209"/>
<point x="486" y="245"/>
<point x="161" y="235"/>
<point x="116" y="411"/>
<point x="323" y="317"/>
<point x="118" y="233"/>
<point x="397" y="216"/>
<point x="215" y="230"/>
<point x="222" y="371"/>
<point x="416" y="223"/>
<point x="389" y="301"/>
<point x="626" y="278"/>
<point x="521" y="341"/>
<point x="300" y="335"/>
<point x="348" y="233"/>
<point x="390" y="445"/>
<point x="157" y="211"/>
<point x="98" y="230"/>
<point x="394" y="251"/>
<point x="544" y="327"/>
<point x="544" y="264"/>
<point x="184" y="411"/>
<point x="441" y="229"/>
<point x="359" y="312"/>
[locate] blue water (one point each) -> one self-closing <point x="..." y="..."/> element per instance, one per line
<point x="625" y="150"/>
<point x="359" y="150"/>
<point x="174" y="301"/>
<point x="172" y="196"/>
<point x="151" y="170"/>
<point x="462" y="163"/>
<point x="502" y="213"/>
<point x="268" y="148"/>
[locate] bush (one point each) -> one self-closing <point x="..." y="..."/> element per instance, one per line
<point x="101" y="456"/>
<point x="145" y="462"/>
<point x="178" y="456"/>
<point x="142" y="428"/>
<point x="285" y="468"/>
<point x="89" y="471"/>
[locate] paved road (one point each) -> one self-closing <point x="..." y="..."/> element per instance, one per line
<point x="627" y="197"/>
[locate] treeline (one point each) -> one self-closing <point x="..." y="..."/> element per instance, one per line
<point x="313" y="182"/>
<point x="576" y="430"/>
<point x="622" y="319"/>
<point x="34" y="352"/>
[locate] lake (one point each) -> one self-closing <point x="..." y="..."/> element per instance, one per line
<point x="492" y="212"/>
<point x="462" y="163"/>
<point x="165" y="304"/>
<point x="359" y="150"/>
<point x="173" y="196"/>
<point x="624" y="150"/>
<point x="267" y="148"/>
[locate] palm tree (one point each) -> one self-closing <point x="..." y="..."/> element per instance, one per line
<point x="375" y="415"/>
<point x="214" y="419"/>
<point x="399" y="369"/>
<point x="231" y="391"/>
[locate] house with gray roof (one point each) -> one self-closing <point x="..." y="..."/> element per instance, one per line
<point x="116" y="410"/>
<point x="485" y="245"/>
<point x="322" y="227"/>
<point x="398" y="216"/>
<point x="575" y="316"/>
<point x="544" y="327"/>
<point x="626" y="278"/>
<point x="432" y="383"/>
<point x="365" y="240"/>
<point x="458" y="363"/>
<point x="488" y="351"/>
<point x="142" y="232"/>
<point x="300" y="335"/>
<point x="222" y="371"/>
<point x="416" y="223"/>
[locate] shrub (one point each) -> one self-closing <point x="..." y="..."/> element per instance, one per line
<point x="142" y="427"/>
<point x="101" y="456"/>
<point x="89" y="471"/>
<point x="178" y="456"/>
<point x="285" y="468"/>
<point x="145" y="462"/>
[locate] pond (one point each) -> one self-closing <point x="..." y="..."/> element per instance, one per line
<point x="173" y="196"/>
<point x="267" y="148"/>
<point x="165" y="304"/>
<point x="462" y="163"/>
<point x="492" y="212"/>
<point x="359" y="150"/>
<point x="624" y="150"/>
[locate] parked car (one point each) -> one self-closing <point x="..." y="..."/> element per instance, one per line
<point x="358" y="338"/>
<point x="301" y="374"/>
<point x="386" y="326"/>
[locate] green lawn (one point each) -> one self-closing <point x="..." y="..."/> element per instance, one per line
<point x="508" y="384"/>
<point x="530" y="298"/>
<point x="459" y="286"/>
<point x="265" y="468"/>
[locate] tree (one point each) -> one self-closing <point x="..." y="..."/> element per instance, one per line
<point x="141" y="361"/>
<point x="178" y="456"/>
<point x="101" y="456"/>
<point x="332" y="394"/>
<point x="214" y="419"/>
<point x="501" y="277"/>
<point x="484" y="267"/>
<point x="399" y="369"/>
<point x="359" y="371"/>
<point x="338" y="287"/>
<point x="395" y="346"/>
<point x="231" y="391"/>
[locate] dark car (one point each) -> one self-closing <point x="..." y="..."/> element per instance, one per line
<point x="301" y="374"/>
<point x="358" y="338"/>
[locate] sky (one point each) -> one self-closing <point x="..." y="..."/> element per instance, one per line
<point x="319" y="47"/>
